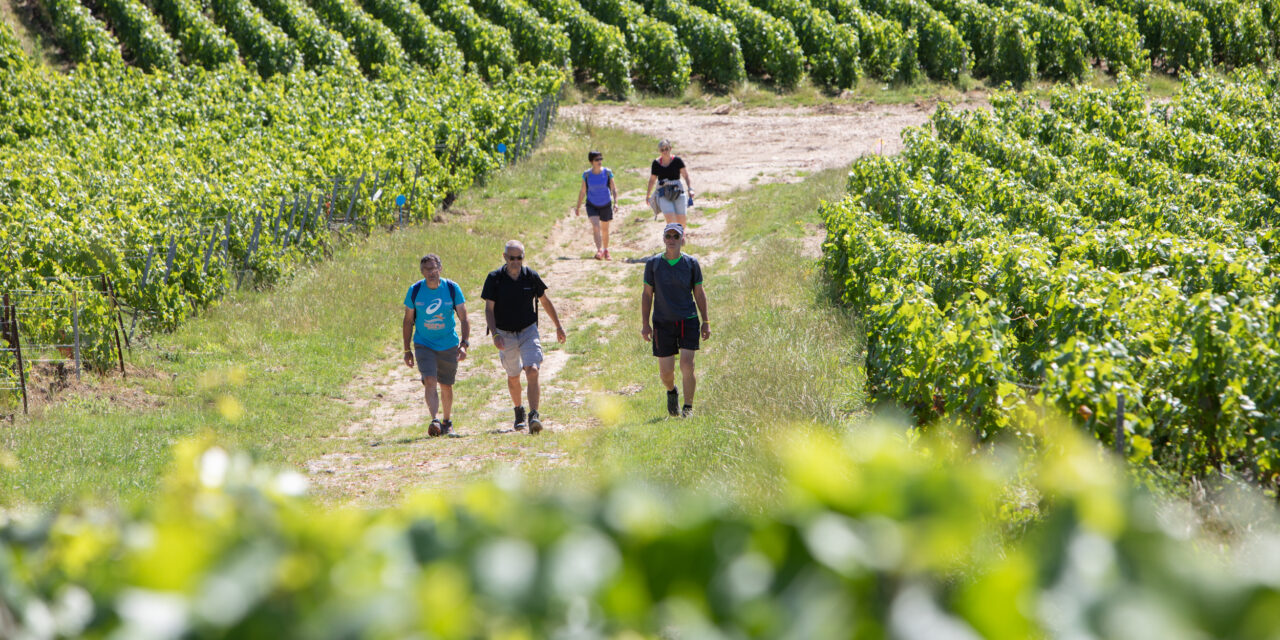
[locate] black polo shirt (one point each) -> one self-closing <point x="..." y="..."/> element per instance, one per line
<point x="513" y="308"/>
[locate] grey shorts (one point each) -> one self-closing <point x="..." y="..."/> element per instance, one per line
<point x="675" y="206"/>
<point x="520" y="349"/>
<point x="441" y="365"/>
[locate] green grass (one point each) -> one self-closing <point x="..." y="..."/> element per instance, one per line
<point x="265" y="372"/>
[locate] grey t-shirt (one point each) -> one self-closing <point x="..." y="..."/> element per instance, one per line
<point x="673" y="286"/>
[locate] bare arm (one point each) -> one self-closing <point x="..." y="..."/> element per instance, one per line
<point x="648" y="192"/>
<point x="407" y="330"/>
<point x="700" y="298"/>
<point x="582" y="194"/>
<point x="492" y="323"/>
<point x="465" y="325"/>
<point x="613" y="188"/>
<point x="684" y="173"/>
<point x="555" y="318"/>
<point x="646" y="306"/>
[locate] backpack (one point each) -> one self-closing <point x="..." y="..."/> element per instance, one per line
<point x="417" y="286"/>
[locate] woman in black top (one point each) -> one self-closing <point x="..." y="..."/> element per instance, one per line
<point x="671" y="197"/>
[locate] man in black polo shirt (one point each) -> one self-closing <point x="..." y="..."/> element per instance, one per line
<point x="673" y="291"/>
<point x="509" y="294"/>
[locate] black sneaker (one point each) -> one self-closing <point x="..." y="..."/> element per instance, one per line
<point x="673" y="402"/>
<point x="535" y="425"/>
<point x="686" y="411"/>
<point x="519" y="425"/>
<point x="446" y="427"/>
<point x="435" y="429"/>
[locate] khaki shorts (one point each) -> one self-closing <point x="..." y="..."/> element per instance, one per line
<point x="520" y="349"/>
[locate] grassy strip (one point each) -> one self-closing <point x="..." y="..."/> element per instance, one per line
<point x="265" y="372"/>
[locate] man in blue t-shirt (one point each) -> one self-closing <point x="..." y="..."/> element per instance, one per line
<point x="429" y="310"/>
<point x="673" y="292"/>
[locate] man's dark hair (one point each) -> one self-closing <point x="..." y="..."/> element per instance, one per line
<point x="592" y="155"/>
<point x="430" y="257"/>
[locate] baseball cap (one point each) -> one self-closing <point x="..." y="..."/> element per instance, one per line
<point x="674" y="226"/>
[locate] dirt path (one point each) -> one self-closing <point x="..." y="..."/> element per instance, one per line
<point x="384" y="450"/>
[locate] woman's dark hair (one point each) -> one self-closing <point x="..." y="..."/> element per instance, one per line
<point x="592" y="156"/>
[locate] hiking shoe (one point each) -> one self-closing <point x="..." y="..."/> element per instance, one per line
<point x="446" y="427"/>
<point x="673" y="402"/>
<point x="519" y="425"/>
<point x="606" y="255"/>
<point x="535" y="425"/>
<point x="686" y="411"/>
<point x="435" y="429"/>
<point x="599" y="255"/>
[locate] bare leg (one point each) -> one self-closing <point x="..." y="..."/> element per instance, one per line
<point x="531" y="373"/>
<point x="667" y="372"/>
<point x="671" y="217"/>
<point x="595" y="231"/>
<point x="433" y="400"/>
<point x="446" y="399"/>
<point x="604" y="234"/>
<point x="513" y="387"/>
<point x="686" y="374"/>
<point x="682" y="220"/>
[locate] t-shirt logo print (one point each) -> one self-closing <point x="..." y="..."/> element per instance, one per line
<point x="434" y="306"/>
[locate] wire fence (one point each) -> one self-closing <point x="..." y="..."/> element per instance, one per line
<point x="88" y="322"/>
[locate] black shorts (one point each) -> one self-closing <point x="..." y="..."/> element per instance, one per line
<point x="670" y="337"/>
<point x="605" y="213"/>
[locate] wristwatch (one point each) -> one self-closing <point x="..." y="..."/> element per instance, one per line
<point x="465" y="343"/>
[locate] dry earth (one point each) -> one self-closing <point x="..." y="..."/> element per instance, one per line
<point x="726" y="151"/>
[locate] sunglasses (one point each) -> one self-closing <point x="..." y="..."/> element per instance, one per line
<point x="514" y="258"/>
<point x="671" y="236"/>
<point x="598" y="160"/>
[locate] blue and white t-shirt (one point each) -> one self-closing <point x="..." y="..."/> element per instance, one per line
<point x="435" y="326"/>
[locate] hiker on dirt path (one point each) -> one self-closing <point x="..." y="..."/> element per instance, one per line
<point x="429" y="309"/>
<point x="671" y="197"/>
<point x="510" y="295"/>
<point x="673" y="292"/>
<point x="601" y="195"/>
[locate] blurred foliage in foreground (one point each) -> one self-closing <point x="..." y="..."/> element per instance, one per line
<point x="882" y="534"/>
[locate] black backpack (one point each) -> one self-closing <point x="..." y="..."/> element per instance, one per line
<point x="417" y="286"/>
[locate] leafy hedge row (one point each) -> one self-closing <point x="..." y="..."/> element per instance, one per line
<point x="596" y="48"/>
<point x="535" y="38"/>
<point x="1062" y="48"/>
<point x="882" y="42"/>
<point x="1238" y="31"/>
<point x="322" y="48"/>
<point x="425" y="43"/>
<point x="659" y="60"/>
<point x="11" y="53"/>
<point x="769" y="45"/>
<point x="1114" y="38"/>
<point x="373" y="44"/>
<point x="143" y="37"/>
<point x="83" y="38"/>
<point x="264" y="45"/>
<point x="872" y="537"/>
<point x="1175" y="34"/>
<point x="202" y="42"/>
<point x="196" y="152"/>
<point x="714" y="50"/>
<point x="487" y="46"/>
<point x="941" y="50"/>
<point x="832" y="49"/>
<point x="1061" y="256"/>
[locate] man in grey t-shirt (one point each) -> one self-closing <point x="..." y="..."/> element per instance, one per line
<point x="674" y="297"/>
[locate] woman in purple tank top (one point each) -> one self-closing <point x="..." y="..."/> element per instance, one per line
<point x="601" y="195"/>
